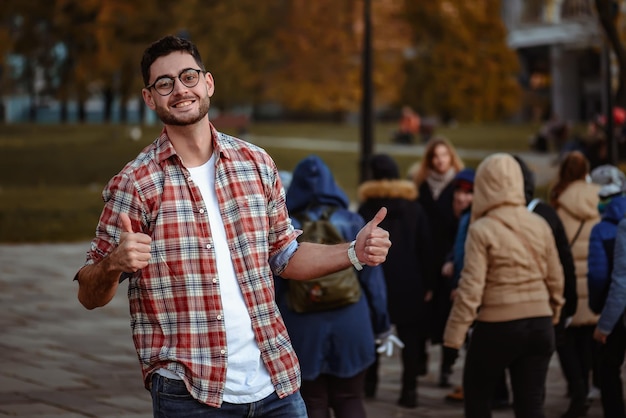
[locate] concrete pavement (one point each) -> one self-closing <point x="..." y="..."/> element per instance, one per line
<point x="60" y="360"/>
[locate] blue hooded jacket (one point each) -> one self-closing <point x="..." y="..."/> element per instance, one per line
<point x="339" y="342"/>
<point x="600" y="264"/>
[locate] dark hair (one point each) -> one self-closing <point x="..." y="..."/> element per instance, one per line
<point x="166" y="46"/>
<point x="574" y="166"/>
<point x="384" y="167"/>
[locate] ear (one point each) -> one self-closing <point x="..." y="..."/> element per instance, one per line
<point x="210" y="84"/>
<point x="148" y="99"/>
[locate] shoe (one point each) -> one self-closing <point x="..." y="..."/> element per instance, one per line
<point x="456" y="396"/>
<point x="408" y="399"/>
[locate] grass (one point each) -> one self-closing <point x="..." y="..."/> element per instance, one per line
<point x="51" y="176"/>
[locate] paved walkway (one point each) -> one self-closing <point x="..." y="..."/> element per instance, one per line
<point x="60" y="360"/>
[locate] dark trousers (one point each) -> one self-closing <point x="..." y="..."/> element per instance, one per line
<point x="413" y="359"/>
<point x="611" y="360"/>
<point x="576" y="358"/>
<point x="413" y="354"/>
<point x="343" y="395"/>
<point x="524" y="347"/>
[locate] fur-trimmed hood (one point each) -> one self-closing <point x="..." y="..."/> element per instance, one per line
<point x="387" y="189"/>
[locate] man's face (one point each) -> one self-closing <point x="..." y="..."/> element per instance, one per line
<point x="184" y="105"/>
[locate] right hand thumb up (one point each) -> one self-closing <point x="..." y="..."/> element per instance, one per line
<point x="133" y="252"/>
<point x="127" y="226"/>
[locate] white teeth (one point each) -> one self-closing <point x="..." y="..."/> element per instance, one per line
<point x="183" y="104"/>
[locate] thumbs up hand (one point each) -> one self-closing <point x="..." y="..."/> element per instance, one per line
<point x="133" y="252"/>
<point x="372" y="242"/>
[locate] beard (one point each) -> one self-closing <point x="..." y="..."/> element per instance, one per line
<point x="169" y="119"/>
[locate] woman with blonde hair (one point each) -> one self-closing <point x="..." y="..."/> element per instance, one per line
<point x="434" y="180"/>
<point x="576" y="200"/>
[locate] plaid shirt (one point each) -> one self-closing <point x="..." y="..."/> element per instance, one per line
<point x="175" y="304"/>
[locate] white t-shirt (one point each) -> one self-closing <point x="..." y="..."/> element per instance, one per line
<point x="247" y="379"/>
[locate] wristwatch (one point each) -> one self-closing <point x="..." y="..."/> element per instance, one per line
<point x="353" y="258"/>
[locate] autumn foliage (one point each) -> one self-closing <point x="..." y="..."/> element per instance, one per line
<point x="445" y="58"/>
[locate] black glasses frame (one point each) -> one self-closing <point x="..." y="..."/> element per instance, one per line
<point x="173" y="80"/>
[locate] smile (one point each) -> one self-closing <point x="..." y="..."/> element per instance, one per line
<point x="183" y="104"/>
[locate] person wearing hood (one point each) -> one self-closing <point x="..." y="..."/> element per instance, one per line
<point x="408" y="271"/>
<point x="606" y="298"/>
<point x="335" y="347"/>
<point x="548" y="213"/>
<point x="511" y="289"/>
<point x="576" y="200"/>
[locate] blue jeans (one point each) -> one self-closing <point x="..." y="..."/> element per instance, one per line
<point x="171" y="399"/>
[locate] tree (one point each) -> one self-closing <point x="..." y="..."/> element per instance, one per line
<point x="123" y="30"/>
<point x="462" y="68"/>
<point x="321" y="63"/>
<point x="608" y="11"/>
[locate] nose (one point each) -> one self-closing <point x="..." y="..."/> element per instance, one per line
<point x="178" y="85"/>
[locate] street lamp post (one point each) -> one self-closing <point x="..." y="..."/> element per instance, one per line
<point x="367" y="114"/>
<point x="611" y="143"/>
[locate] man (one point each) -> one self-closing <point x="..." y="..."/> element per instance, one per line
<point x="198" y="224"/>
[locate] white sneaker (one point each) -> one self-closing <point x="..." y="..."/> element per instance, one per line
<point x="594" y="394"/>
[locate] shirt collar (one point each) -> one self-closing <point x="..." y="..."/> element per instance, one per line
<point x="165" y="149"/>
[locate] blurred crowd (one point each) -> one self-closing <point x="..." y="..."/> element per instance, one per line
<point x="480" y="264"/>
<point x="560" y="136"/>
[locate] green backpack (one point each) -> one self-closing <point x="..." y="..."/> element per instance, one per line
<point x="332" y="291"/>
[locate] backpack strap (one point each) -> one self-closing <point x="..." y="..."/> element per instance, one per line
<point x="577" y="233"/>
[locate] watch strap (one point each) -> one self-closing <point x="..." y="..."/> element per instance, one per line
<point x="353" y="258"/>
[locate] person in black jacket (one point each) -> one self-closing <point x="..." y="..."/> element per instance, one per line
<point x="548" y="213"/>
<point x="408" y="270"/>
<point x="434" y="178"/>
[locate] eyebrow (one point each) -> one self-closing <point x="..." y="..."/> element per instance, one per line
<point x="165" y="75"/>
<point x="176" y="75"/>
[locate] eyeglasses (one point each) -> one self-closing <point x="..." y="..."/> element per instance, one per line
<point x="165" y="85"/>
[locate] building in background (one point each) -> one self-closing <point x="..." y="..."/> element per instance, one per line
<point x="560" y="45"/>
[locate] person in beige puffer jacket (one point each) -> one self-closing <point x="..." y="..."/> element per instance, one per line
<point x="511" y="288"/>
<point x="576" y="202"/>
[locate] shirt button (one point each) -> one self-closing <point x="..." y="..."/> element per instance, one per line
<point x="219" y="317"/>
<point x="214" y="280"/>
<point x="223" y="351"/>
<point x="201" y="210"/>
<point x="208" y="246"/>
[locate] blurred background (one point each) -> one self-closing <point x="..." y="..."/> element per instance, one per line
<point x="488" y="74"/>
<point x="478" y="60"/>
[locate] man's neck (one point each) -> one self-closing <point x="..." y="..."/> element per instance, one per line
<point x="193" y="143"/>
